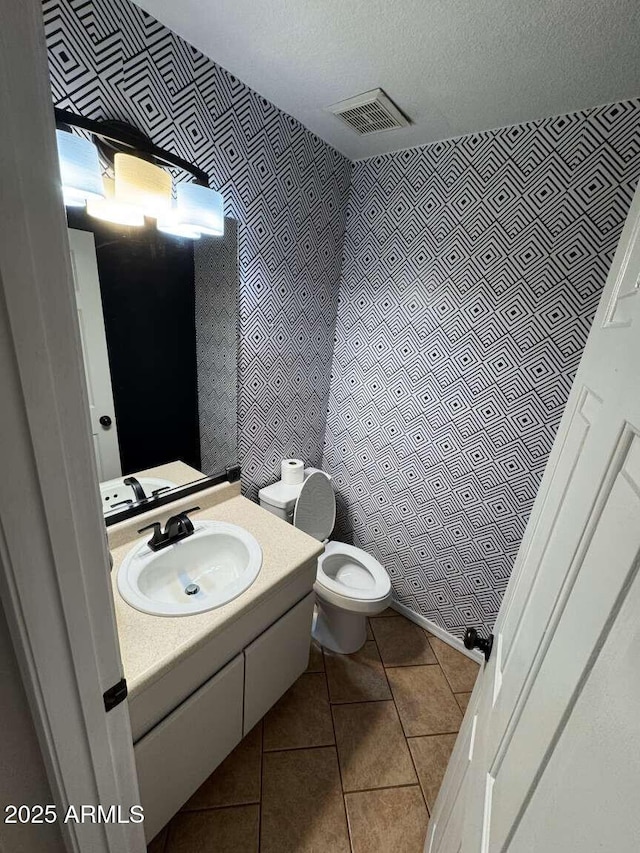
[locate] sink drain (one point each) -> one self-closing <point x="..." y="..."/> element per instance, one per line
<point x="192" y="589"/>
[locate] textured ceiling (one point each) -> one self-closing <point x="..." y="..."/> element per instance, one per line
<point x="453" y="66"/>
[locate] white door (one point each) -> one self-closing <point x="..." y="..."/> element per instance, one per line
<point x="94" y="353"/>
<point x="548" y="758"/>
<point x="54" y="572"/>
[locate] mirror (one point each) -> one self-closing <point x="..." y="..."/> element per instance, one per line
<point x="158" y="319"/>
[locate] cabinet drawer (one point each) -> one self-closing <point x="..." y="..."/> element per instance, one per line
<point x="276" y="659"/>
<point x="176" y="756"/>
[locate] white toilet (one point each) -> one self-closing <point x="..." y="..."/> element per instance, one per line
<point x="350" y="584"/>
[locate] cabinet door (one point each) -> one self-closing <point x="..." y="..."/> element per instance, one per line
<point x="276" y="659"/>
<point x="176" y="757"/>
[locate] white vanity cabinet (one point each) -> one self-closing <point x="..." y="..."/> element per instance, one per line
<point x="274" y="661"/>
<point x="176" y="756"/>
<point x="180" y="752"/>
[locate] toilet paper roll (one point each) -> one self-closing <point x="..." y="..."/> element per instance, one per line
<point x="292" y="471"/>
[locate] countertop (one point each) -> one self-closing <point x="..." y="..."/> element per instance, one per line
<point x="179" y="472"/>
<point x="151" y="645"/>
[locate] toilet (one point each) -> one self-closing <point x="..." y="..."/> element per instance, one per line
<point x="350" y="584"/>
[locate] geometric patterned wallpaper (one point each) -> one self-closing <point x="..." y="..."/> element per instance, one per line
<point x="216" y="291"/>
<point x="472" y="272"/>
<point x="472" y="269"/>
<point x="286" y="188"/>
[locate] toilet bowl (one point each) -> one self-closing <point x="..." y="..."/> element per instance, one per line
<point x="350" y="584"/>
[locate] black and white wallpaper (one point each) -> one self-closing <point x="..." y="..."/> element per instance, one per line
<point x="286" y="188"/>
<point x="464" y="290"/>
<point x="472" y="270"/>
<point x="216" y="296"/>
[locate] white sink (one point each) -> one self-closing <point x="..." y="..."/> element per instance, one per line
<point x="221" y="560"/>
<point x="114" y="492"/>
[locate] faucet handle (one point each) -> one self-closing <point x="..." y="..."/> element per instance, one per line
<point x="157" y="533"/>
<point x="155" y="526"/>
<point x="183" y="519"/>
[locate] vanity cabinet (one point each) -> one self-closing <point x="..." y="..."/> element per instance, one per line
<point x="274" y="661"/>
<point x="180" y="752"/>
<point x="176" y="756"/>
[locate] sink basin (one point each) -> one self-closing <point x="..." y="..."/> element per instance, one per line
<point x="214" y="565"/>
<point x="114" y="493"/>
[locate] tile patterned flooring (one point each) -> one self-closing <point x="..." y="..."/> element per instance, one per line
<point x="350" y="759"/>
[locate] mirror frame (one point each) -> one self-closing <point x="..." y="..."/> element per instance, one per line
<point x="230" y="475"/>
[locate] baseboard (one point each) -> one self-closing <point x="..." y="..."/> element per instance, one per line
<point x="437" y="631"/>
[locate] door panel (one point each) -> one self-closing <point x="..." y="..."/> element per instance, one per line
<point x="621" y="306"/>
<point x="587" y="611"/>
<point x="595" y="743"/>
<point x="94" y="352"/>
<point x="576" y="565"/>
<point x="551" y="580"/>
<point x="534" y="590"/>
<point x="445" y="833"/>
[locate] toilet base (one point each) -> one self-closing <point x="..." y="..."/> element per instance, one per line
<point x="338" y="630"/>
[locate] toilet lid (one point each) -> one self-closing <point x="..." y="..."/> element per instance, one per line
<point x="315" y="511"/>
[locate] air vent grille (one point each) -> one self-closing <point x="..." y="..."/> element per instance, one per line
<point x="370" y="112"/>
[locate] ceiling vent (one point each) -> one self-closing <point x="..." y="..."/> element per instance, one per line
<point x="370" y="112"/>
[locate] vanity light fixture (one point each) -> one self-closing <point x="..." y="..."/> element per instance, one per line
<point x="79" y="169"/>
<point x="142" y="184"/>
<point x="200" y="208"/>
<point x="142" y="188"/>
<point x="169" y="223"/>
<point x="111" y="210"/>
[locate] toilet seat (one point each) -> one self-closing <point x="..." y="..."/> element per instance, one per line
<point x="350" y="584"/>
<point x="350" y="578"/>
<point x="315" y="509"/>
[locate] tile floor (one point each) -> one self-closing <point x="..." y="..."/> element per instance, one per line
<point x="350" y="759"/>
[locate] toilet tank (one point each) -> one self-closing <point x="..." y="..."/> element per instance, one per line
<point x="280" y="498"/>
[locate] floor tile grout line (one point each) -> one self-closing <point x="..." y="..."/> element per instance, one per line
<point x="303" y="675"/>
<point x="419" y="630"/>
<point x="444" y="674"/>
<point x="415" y="769"/>
<point x="433" y="734"/>
<point x="298" y="748"/>
<point x="335" y="739"/>
<point x="360" y="701"/>
<point x="384" y="669"/>
<point x="218" y="808"/>
<point x="440" y="665"/>
<point x="383" y="788"/>
<point x="403" y="665"/>
<point x="429" y="638"/>
<point x="170" y="834"/>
